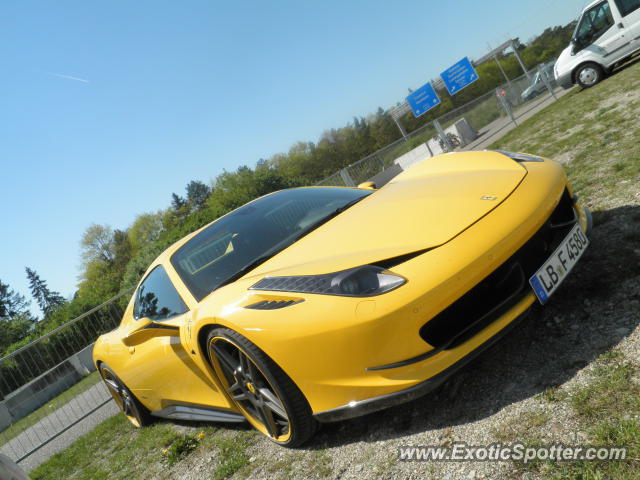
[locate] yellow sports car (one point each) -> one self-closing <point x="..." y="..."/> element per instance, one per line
<point x="319" y="304"/>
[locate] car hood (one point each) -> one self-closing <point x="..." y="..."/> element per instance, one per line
<point x="422" y="208"/>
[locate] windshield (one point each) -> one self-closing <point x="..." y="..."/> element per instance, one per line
<point x="250" y="235"/>
<point x="595" y="21"/>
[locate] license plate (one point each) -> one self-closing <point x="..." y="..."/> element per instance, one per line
<point x="552" y="272"/>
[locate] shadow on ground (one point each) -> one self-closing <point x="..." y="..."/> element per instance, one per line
<point x="593" y="311"/>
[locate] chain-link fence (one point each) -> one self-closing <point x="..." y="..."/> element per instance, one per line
<point x="48" y="386"/>
<point x="455" y="129"/>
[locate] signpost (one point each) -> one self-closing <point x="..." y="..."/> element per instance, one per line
<point x="423" y="99"/>
<point x="459" y="76"/>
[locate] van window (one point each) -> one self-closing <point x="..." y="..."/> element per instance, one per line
<point x="627" y="6"/>
<point x="595" y="22"/>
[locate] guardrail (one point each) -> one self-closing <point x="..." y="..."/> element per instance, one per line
<point x="46" y="386"/>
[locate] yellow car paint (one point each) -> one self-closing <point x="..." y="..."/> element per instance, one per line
<point x="471" y="211"/>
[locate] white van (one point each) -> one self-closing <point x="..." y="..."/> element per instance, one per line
<point x="607" y="33"/>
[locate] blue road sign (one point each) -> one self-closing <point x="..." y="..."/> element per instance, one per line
<point x="460" y="75"/>
<point x="423" y="99"/>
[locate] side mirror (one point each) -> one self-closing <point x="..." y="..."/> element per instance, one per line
<point x="368" y="185"/>
<point x="145" y="328"/>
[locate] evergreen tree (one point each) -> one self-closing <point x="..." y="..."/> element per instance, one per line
<point x="197" y="194"/>
<point x="47" y="300"/>
<point x="177" y="202"/>
<point x="11" y="303"/>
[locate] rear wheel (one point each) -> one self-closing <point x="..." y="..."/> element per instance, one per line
<point x="589" y="74"/>
<point x="260" y="389"/>
<point x="135" y="412"/>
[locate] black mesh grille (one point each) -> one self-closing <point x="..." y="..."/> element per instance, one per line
<point x="272" y="304"/>
<point x="503" y="288"/>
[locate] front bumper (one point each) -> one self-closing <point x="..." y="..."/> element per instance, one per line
<point x="512" y="317"/>
<point x="370" y="405"/>
<point x="565" y="80"/>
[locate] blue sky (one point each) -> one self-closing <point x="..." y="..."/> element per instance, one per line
<point x="108" y="107"/>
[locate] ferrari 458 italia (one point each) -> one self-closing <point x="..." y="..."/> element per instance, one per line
<point x="319" y="304"/>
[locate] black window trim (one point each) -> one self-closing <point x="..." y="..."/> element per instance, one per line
<point x="629" y="12"/>
<point x="137" y="292"/>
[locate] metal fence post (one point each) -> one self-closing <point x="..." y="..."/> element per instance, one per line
<point x="545" y="78"/>
<point x="505" y="104"/>
<point x="442" y="135"/>
<point x="346" y="178"/>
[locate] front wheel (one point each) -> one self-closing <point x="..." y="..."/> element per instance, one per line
<point x="135" y="412"/>
<point x="589" y="74"/>
<point x="260" y="389"/>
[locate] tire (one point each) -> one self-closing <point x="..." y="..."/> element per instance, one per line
<point x="260" y="389"/>
<point x="589" y="74"/>
<point x="129" y="405"/>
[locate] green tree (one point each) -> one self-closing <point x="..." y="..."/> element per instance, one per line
<point x="14" y="329"/>
<point x="177" y="202"/>
<point x="146" y="228"/>
<point x="197" y="194"/>
<point x="97" y="244"/>
<point x="11" y="303"/>
<point x="47" y="300"/>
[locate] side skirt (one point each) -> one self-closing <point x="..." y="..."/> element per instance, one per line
<point x="203" y="414"/>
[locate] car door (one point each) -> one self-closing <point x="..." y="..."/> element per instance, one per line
<point x="630" y="20"/>
<point x="159" y="370"/>
<point x="598" y="33"/>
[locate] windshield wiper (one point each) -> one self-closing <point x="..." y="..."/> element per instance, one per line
<point x="250" y="266"/>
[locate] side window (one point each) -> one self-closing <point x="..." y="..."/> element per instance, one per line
<point x="157" y="298"/>
<point x="595" y="22"/>
<point x="627" y="6"/>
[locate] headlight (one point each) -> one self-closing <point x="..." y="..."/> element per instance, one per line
<point x="363" y="281"/>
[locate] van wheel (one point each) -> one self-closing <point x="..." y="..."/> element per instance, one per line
<point x="589" y="74"/>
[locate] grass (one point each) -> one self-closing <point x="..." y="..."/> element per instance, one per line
<point x="115" y="449"/>
<point x="523" y="426"/>
<point x="594" y="132"/>
<point x="607" y="409"/>
<point x="34" y="417"/>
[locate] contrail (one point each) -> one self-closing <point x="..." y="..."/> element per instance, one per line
<point x="68" y="77"/>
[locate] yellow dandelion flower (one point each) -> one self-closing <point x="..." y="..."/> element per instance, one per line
<point x="200" y="435"/>
<point x="165" y="451"/>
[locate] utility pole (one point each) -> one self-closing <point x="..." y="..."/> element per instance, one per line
<point x="515" y="51"/>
